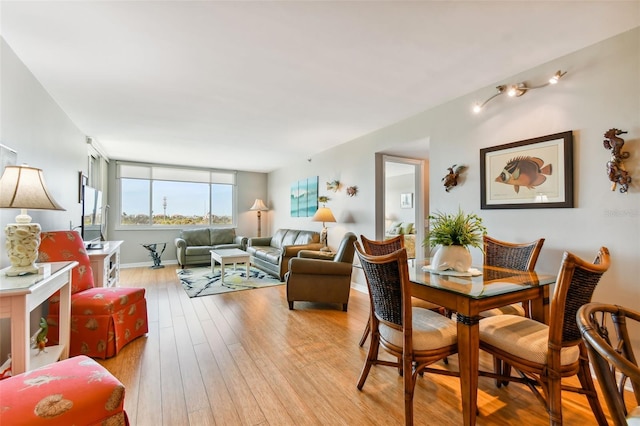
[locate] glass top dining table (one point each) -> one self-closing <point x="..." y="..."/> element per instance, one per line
<point x="467" y="296"/>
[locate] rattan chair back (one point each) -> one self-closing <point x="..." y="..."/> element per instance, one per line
<point x="384" y="275"/>
<point x="378" y="248"/>
<point x="576" y="282"/>
<point x="605" y="333"/>
<point x="520" y="256"/>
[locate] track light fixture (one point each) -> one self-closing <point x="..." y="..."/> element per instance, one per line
<point x="517" y="90"/>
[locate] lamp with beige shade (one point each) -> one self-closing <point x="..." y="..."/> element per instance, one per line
<point x="323" y="214"/>
<point x="23" y="187"/>
<point x="260" y="207"/>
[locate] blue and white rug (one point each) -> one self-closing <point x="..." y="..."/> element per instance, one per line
<point x="200" y="281"/>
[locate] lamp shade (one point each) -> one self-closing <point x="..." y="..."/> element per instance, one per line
<point x="259" y="206"/>
<point x="23" y="187"/>
<point x="323" y="214"/>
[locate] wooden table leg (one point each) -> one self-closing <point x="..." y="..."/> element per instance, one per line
<point x="540" y="306"/>
<point x="468" y="355"/>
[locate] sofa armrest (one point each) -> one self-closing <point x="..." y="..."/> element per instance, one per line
<point x="315" y="254"/>
<point x="292" y="251"/>
<point x="181" y="246"/>
<point x="180" y="243"/>
<point x="239" y="239"/>
<point x="298" y="265"/>
<point x="259" y="241"/>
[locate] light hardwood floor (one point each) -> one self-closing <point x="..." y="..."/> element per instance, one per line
<point x="244" y="359"/>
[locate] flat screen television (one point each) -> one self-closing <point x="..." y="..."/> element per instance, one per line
<point x="92" y="217"/>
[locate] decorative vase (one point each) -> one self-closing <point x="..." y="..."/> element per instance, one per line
<point x="452" y="257"/>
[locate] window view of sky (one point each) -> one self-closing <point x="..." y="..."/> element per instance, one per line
<point x="182" y="198"/>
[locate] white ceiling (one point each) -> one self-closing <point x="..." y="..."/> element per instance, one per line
<point x="256" y="85"/>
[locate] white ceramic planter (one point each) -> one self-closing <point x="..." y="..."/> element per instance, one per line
<point x="456" y="258"/>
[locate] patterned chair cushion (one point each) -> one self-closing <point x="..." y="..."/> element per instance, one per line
<point x="61" y="246"/>
<point x="76" y="391"/>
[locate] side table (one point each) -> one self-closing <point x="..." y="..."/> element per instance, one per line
<point x="21" y="295"/>
<point x="153" y="252"/>
<point x="105" y="263"/>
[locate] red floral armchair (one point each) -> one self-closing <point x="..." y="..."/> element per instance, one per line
<point x="103" y="319"/>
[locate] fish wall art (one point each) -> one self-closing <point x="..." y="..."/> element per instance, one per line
<point x="524" y="171"/>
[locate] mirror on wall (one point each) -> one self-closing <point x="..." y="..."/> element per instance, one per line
<point x="401" y="207"/>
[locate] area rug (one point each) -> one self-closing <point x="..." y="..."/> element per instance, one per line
<point x="200" y="281"/>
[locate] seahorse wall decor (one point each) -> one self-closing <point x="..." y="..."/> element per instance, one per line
<point x="615" y="167"/>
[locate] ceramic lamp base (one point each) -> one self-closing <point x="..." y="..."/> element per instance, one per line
<point x="23" y="240"/>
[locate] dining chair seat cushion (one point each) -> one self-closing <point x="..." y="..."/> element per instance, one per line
<point x="523" y="337"/>
<point x="513" y="309"/>
<point x="430" y="331"/>
<point x="419" y="303"/>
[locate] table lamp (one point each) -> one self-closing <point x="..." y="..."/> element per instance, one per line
<point x="323" y="214"/>
<point x="23" y="187"/>
<point x="259" y="206"/>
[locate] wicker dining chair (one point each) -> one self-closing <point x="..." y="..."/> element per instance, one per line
<point x="612" y="357"/>
<point x="544" y="354"/>
<point x="520" y="256"/>
<point x="416" y="337"/>
<point x="378" y="248"/>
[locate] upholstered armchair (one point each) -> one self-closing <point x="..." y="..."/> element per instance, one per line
<point x="322" y="279"/>
<point x="103" y="319"/>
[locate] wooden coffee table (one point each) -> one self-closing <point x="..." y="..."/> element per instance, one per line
<point x="228" y="256"/>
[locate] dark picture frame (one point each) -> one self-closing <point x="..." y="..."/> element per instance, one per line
<point x="528" y="174"/>
<point x="82" y="182"/>
<point x="406" y="200"/>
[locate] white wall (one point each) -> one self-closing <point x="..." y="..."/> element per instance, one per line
<point x="601" y="90"/>
<point x="44" y="137"/>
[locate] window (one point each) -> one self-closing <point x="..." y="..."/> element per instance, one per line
<point x="163" y="196"/>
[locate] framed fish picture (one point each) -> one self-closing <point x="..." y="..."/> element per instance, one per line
<point x="528" y="174"/>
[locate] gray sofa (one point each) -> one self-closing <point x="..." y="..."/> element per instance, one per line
<point x="193" y="245"/>
<point x="272" y="254"/>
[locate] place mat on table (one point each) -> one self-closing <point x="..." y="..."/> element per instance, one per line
<point x="472" y="272"/>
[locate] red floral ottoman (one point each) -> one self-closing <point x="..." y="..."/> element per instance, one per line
<point x="76" y="391"/>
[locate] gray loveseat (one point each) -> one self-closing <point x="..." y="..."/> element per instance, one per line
<point x="272" y="254"/>
<point x="193" y="245"/>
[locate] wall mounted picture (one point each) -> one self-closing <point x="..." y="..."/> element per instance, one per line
<point x="533" y="173"/>
<point x="304" y="197"/>
<point x="406" y="200"/>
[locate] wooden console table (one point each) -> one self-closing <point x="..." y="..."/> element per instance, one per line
<point x="21" y="295"/>
<point x="105" y="263"/>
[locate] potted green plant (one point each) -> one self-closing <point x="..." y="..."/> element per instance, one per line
<point x="454" y="234"/>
